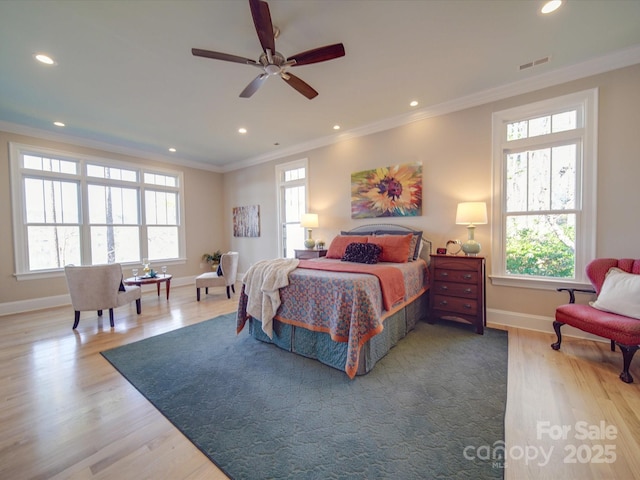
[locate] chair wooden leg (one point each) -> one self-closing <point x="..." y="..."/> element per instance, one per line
<point x="206" y="290"/>
<point x="198" y="294"/>
<point x="138" y="306"/>
<point x="628" y="351"/>
<point x="233" y="289"/>
<point x="613" y="346"/>
<point x="76" y="319"/>
<point x="111" y="317"/>
<point x="556" y="327"/>
<point x="99" y="313"/>
<point x="228" y="294"/>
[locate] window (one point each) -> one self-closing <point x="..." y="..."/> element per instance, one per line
<point x="292" y="203"/>
<point x="544" y="170"/>
<point x="70" y="209"/>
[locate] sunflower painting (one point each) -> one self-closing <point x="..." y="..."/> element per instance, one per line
<point x="394" y="191"/>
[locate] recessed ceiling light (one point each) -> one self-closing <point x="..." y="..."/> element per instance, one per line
<point x="42" y="58"/>
<point x="242" y="130"/>
<point x="59" y="124"/>
<point x="172" y="150"/>
<point x="551" y="6"/>
<point x="336" y="127"/>
<point x="414" y="103"/>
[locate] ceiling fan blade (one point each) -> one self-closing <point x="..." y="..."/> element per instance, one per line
<point x="300" y="85"/>
<point x="262" y="22"/>
<point x="254" y="85"/>
<point x="222" y="56"/>
<point x="321" y="54"/>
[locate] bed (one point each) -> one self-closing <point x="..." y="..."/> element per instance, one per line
<point x="348" y="319"/>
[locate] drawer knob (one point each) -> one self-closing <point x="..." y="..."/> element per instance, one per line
<point x="444" y="302"/>
<point x="444" y="287"/>
<point x="444" y="274"/>
<point x="467" y="306"/>
<point x="467" y="290"/>
<point x="467" y="276"/>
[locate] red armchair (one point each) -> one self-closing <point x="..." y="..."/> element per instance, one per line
<point x="622" y="330"/>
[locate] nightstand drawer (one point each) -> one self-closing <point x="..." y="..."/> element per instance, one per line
<point x="456" y="276"/>
<point x="456" y="289"/>
<point x="309" y="254"/>
<point x="455" y="305"/>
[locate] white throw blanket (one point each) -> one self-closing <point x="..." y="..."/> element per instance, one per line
<point x="261" y="285"/>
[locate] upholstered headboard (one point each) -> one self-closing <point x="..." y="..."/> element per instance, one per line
<point x="372" y="229"/>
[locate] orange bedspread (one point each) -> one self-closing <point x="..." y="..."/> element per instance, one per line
<point x="391" y="279"/>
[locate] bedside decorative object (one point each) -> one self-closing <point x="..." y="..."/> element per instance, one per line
<point x="453" y="247"/>
<point x="471" y="214"/>
<point x="310" y="221"/>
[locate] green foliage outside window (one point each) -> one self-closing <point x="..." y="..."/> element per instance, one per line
<point x="531" y="252"/>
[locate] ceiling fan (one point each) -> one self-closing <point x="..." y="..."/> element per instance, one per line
<point x="272" y="62"/>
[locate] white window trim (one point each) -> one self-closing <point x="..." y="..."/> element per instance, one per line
<point x="16" y="150"/>
<point x="587" y="102"/>
<point x="302" y="163"/>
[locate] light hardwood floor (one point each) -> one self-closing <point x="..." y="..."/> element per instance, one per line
<point x="65" y="412"/>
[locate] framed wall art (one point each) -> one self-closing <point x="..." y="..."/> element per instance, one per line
<point x="394" y="191"/>
<point x="246" y="221"/>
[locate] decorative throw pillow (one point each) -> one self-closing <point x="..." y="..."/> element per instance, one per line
<point x="395" y="248"/>
<point x="339" y="244"/>
<point x="620" y="294"/>
<point x="416" y="243"/>
<point x="362" y="253"/>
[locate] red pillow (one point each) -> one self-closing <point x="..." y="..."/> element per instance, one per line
<point x="395" y="248"/>
<point x="339" y="244"/>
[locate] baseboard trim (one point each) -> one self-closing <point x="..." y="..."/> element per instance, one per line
<point x="499" y="318"/>
<point x="33" y="304"/>
<point x="536" y="323"/>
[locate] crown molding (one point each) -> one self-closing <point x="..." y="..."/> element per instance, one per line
<point x="102" y="146"/>
<point x="595" y="66"/>
<point x="616" y="60"/>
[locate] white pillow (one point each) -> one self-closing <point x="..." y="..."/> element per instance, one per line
<point x="620" y="294"/>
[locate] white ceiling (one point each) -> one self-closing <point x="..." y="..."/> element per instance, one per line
<point x="125" y="76"/>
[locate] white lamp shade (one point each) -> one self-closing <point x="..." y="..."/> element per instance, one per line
<point x="471" y="213"/>
<point x="309" y="220"/>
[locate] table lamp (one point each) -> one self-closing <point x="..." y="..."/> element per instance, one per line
<point x="310" y="221"/>
<point x="471" y="214"/>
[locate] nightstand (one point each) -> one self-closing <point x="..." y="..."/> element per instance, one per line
<point x="458" y="289"/>
<point x="309" y="254"/>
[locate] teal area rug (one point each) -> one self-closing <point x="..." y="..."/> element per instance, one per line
<point x="432" y="408"/>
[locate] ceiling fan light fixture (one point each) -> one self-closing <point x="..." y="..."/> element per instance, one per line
<point x="271" y="61"/>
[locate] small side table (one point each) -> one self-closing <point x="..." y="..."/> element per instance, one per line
<point x="160" y="278"/>
<point x="309" y="254"/>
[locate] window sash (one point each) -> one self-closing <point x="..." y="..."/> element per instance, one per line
<point x="78" y="189"/>
<point x="581" y="208"/>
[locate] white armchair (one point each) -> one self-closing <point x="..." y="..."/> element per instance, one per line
<point x="229" y="267"/>
<point x="99" y="287"/>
